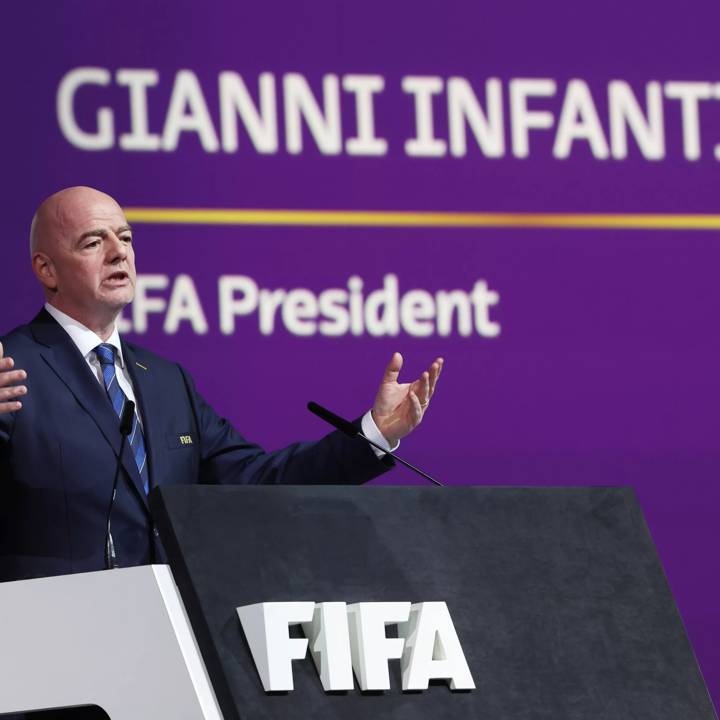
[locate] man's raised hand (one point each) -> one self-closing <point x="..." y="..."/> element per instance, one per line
<point x="399" y="407"/>
<point x="9" y="390"/>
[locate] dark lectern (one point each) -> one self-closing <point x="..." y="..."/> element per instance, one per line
<point x="556" y="594"/>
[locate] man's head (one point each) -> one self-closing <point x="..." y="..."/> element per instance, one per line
<point x="81" y="249"/>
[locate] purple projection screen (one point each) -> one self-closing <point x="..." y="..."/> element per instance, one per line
<point x="529" y="192"/>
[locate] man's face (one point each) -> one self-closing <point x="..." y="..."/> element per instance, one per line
<point x="89" y="243"/>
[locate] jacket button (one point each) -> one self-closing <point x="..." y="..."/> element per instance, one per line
<point x="156" y="533"/>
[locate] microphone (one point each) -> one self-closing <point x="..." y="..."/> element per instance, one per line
<point x="347" y="428"/>
<point x="127" y="417"/>
<point x="126" y="424"/>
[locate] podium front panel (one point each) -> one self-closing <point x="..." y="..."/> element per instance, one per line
<point x="557" y="595"/>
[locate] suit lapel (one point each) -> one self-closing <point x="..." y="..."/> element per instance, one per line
<point x="65" y="360"/>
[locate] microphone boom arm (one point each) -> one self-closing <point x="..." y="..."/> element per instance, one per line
<point x="346" y="427"/>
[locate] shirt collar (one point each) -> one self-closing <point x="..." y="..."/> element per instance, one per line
<point x="85" y="339"/>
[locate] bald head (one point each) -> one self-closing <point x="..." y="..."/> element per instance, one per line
<point x="82" y="254"/>
<point x="56" y="214"/>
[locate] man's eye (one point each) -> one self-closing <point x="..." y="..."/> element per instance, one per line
<point x="93" y="243"/>
<point x="126" y="238"/>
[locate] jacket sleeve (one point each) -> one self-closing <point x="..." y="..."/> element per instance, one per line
<point x="7" y="422"/>
<point x="226" y="457"/>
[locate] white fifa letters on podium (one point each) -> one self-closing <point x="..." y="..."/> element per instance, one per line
<point x="330" y="645"/>
<point x="343" y="639"/>
<point x="432" y="649"/>
<point x="273" y="650"/>
<point x="371" y="648"/>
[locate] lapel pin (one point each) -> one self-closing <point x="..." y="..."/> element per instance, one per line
<point x="140" y="365"/>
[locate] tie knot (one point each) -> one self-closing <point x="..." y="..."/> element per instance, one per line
<point x="105" y="354"/>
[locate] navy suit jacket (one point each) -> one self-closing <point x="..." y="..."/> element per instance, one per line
<point x="59" y="452"/>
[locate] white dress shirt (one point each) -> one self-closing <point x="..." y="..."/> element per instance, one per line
<point x="86" y="341"/>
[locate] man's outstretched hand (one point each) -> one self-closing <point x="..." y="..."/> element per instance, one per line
<point x="399" y="407"/>
<point x="9" y="391"/>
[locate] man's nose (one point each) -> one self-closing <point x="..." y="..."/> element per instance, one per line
<point x="116" y="249"/>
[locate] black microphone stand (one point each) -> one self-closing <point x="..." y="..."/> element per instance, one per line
<point x="346" y="427"/>
<point x="126" y="423"/>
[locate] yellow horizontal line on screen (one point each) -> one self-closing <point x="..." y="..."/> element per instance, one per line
<point x="371" y="218"/>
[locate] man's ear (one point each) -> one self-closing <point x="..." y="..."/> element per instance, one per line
<point x="44" y="270"/>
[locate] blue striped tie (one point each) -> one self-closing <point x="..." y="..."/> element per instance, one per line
<point x="106" y="355"/>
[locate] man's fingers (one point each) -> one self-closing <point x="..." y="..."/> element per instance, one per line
<point x="433" y="373"/>
<point x="10" y="378"/>
<point x="420" y="387"/>
<point x="421" y="390"/>
<point x="424" y="394"/>
<point x="12" y="392"/>
<point x="435" y="370"/>
<point x="393" y="368"/>
<point x="416" y="408"/>
<point x="6" y="364"/>
<point x="9" y="390"/>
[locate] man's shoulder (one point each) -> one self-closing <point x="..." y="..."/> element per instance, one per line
<point x="18" y="339"/>
<point x="18" y="332"/>
<point x="42" y="330"/>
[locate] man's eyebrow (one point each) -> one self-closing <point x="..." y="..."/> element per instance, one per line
<point x="97" y="232"/>
<point x="102" y="233"/>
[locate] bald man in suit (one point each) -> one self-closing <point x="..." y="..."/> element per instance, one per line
<point x="67" y="376"/>
<point x="65" y="379"/>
